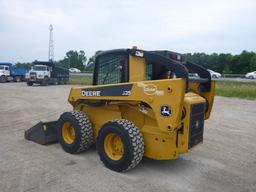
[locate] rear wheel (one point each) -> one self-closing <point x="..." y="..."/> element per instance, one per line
<point x="60" y="81"/>
<point x="23" y="78"/>
<point x="75" y="132"/>
<point x="66" y="81"/>
<point x="17" y="79"/>
<point x="120" y="145"/>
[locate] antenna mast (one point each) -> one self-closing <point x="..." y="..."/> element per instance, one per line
<point x="51" y="48"/>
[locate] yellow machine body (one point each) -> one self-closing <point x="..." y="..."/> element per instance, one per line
<point x="143" y="102"/>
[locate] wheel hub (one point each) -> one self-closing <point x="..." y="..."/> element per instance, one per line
<point x="68" y="133"/>
<point x="114" y="146"/>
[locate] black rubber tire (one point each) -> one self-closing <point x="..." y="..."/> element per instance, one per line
<point x="29" y="83"/>
<point x="65" y="81"/>
<point x="17" y="79"/>
<point x="3" y="79"/>
<point x="251" y="77"/>
<point x="60" y="81"/>
<point x="214" y="76"/>
<point x="45" y="81"/>
<point x="83" y="131"/>
<point x="133" y="145"/>
<point x="55" y="82"/>
<point x="23" y="78"/>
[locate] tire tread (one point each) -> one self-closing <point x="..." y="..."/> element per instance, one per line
<point x="137" y="141"/>
<point x="86" y="131"/>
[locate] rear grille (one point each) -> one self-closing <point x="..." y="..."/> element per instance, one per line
<point x="196" y="124"/>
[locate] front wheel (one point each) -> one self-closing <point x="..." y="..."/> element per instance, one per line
<point x="250" y="77"/>
<point x="29" y="83"/>
<point x="3" y="79"/>
<point x="75" y="132"/>
<point x="120" y="145"/>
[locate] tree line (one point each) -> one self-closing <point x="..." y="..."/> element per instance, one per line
<point x="226" y="63"/>
<point x="222" y="63"/>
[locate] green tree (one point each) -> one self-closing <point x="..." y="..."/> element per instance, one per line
<point x="244" y="62"/>
<point x="226" y="63"/>
<point x="223" y="63"/>
<point x="252" y="65"/>
<point x="91" y="62"/>
<point x="73" y="59"/>
<point x="26" y="65"/>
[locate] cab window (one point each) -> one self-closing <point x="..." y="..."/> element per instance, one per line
<point x="149" y="71"/>
<point x="112" y="69"/>
<point x="156" y="71"/>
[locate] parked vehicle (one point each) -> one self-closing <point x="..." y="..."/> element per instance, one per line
<point x="74" y="70"/>
<point x="45" y="73"/>
<point x="193" y="75"/>
<point x="9" y="72"/>
<point x="251" y="75"/>
<point x="214" y="74"/>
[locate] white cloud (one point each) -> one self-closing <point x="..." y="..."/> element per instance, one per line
<point x="184" y="26"/>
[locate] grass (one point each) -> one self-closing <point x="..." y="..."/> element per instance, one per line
<point x="245" y="90"/>
<point x="80" y="79"/>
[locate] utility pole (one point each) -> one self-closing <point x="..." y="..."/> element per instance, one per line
<point x="51" y="48"/>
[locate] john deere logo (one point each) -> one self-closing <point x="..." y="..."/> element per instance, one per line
<point x="150" y="89"/>
<point x="165" y="111"/>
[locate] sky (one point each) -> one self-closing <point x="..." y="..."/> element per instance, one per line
<point x="221" y="26"/>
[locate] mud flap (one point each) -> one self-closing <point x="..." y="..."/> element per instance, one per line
<point x="43" y="133"/>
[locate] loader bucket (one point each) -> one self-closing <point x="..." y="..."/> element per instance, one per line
<point x="43" y="133"/>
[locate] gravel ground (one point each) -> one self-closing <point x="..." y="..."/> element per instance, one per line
<point x="225" y="162"/>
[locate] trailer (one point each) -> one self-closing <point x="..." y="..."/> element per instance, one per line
<point x="45" y="73"/>
<point x="9" y="72"/>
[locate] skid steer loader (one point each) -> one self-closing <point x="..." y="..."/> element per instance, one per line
<point x="141" y="103"/>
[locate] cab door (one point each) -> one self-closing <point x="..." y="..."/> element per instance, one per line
<point x="6" y="71"/>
